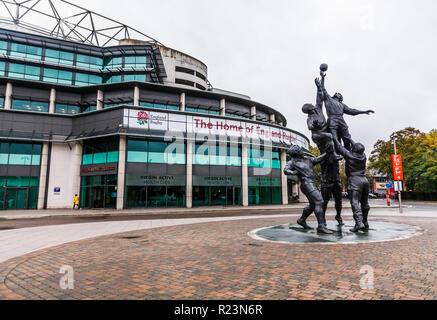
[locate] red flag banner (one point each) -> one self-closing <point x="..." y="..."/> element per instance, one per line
<point x="398" y="173"/>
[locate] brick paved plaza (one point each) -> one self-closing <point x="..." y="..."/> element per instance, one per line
<point x="218" y="260"/>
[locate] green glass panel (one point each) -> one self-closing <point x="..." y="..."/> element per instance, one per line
<point x="155" y="146"/>
<point x="276" y="164"/>
<point x="136" y="156"/>
<point x="2" y="193"/>
<point x="21" y="198"/>
<point x="175" y="158"/>
<point x="112" y="156"/>
<point x="3" y="50"/>
<point x="234" y="161"/>
<point x="32" y="199"/>
<point x="276" y="196"/>
<point x="87" y="159"/>
<point x="2" y="181"/>
<point x="4" y="158"/>
<point x="34" y="181"/>
<point x="21" y="148"/>
<point x="100" y="158"/>
<point x="18" y="181"/>
<point x="11" y="199"/>
<point x="157" y="157"/>
<point x="37" y="149"/>
<point x="36" y="160"/>
<point x="137" y="145"/>
<point x="20" y="159"/>
<point x="2" y="68"/>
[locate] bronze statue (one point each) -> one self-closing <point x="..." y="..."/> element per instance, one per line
<point x="302" y="165"/>
<point x="358" y="185"/>
<point x="335" y="108"/>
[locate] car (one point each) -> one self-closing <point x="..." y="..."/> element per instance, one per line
<point x="373" y="196"/>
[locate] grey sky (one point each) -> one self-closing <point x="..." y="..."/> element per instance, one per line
<point x="381" y="54"/>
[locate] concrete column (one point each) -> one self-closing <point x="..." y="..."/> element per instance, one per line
<point x="76" y="162"/>
<point x="99" y="100"/>
<point x="244" y="175"/>
<point x="136" y="97"/>
<point x="272" y="118"/>
<point x="189" y="175"/>
<point x="183" y="101"/>
<point x="52" y="103"/>
<point x="8" y="96"/>
<point x="253" y="113"/>
<point x="43" y="175"/>
<point x="121" y="173"/>
<point x="284" y="180"/>
<point x="222" y="107"/>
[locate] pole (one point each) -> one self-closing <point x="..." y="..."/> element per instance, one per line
<point x="399" y="184"/>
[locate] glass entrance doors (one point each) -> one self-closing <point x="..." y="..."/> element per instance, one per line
<point x="16" y="198"/>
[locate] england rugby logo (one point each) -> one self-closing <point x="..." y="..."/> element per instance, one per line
<point x="143" y="118"/>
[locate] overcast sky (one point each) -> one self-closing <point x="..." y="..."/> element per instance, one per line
<point x="381" y="53"/>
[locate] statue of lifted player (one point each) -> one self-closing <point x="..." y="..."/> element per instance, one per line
<point x="335" y="108"/>
<point x="330" y="169"/>
<point x="358" y="185"/>
<point x="302" y="165"/>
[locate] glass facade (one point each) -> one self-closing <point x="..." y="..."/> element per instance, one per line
<point x="100" y="151"/>
<point x="98" y="192"/>
<point x="201" y="110"/>
<point x="71" y="60"/>
<point x="25" y="105"/>
<point x="213" y="186"/>
<point x="159" y="106"/>
<point x="264" y="175"/>
<point x="67" y="109"/>
<point x="19" y="192"/>
<point x="149" y="189"/>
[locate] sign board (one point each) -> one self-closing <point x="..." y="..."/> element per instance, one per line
<point x="162" y="122"/>
<point x="398" y="174"/>
<point x="398" y="186"/>
<point x="389" y="185"/>
<point x="57" y="191"/>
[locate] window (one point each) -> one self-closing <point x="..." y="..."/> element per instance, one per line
<point x="60" y="57"/>
<point x="22" y="71"/>
<point x="2" y="103"/>
<point x="233" y="115"/>
<point x="84" y="79"/>
<point x="30" y="105"/>
<point x="112" y="79"/>
<point x="185" y="70"/>
<point x="67" y="109"/>
<point x="135" y="62"/>
<point x="58" y="76"/>
<point x="159" y="106"/>
<point x="99" y="151"/>
<point x="204" y="111"/>
<point x="2" y="68"/>
<point x="185" y="82"/>
<point x="113" y="63"/>
<point x="116" y="104"/>
<point x="89" y="108"/>
<point x="261" y="157"/>
<point x="135" y="77"/>
<point x="217" y="154"/>
<point x="156" y="151"/>
<point x="3" y="47"/>
<point x="89" y="62"/>
<point x="25" y="51"/>
<point x="20" y="154"/>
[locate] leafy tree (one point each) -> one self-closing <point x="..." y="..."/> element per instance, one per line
<point x="411" y="145"/>
<point x="427" y="164"/>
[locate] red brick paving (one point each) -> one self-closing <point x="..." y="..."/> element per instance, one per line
<point x="217" y="261"/>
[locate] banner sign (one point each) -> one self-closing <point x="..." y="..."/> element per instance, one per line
<point x="147" y="180"/>
<point x="398" y="174"/>
<point x="164" y="121"/>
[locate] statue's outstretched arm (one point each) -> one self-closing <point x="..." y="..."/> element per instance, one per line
<point x="355" y="112"/>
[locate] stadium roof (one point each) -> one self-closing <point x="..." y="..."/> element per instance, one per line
<point x="67" y="21"/>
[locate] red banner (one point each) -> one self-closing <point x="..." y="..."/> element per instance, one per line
<point x="398" y="173"/>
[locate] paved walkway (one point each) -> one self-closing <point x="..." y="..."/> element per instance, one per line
<point x="34" y="214"/>
<point x="215" y="259"/>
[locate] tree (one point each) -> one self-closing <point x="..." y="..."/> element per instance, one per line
<point x="418" y="152"/>
<point x="427" y="164"/>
